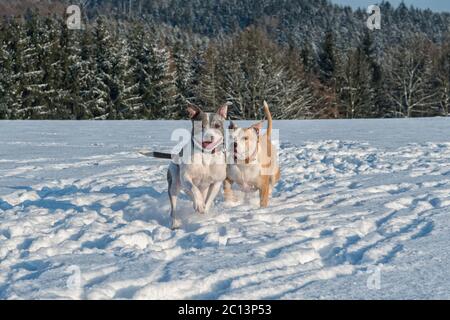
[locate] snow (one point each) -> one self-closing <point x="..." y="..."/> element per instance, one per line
<point x="84" y="216"/>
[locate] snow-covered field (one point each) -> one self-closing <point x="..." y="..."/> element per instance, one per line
<point x="362" y="211"/>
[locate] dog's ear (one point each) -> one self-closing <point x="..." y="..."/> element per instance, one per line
<point x="223" y="110"/>
<point x="232" y="126"/>
<point x="193" y="111"/>
<point x="258" y="127"/>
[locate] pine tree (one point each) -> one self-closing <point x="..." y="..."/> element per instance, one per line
<point x="6" y="80"/>
<point x="101" y="93"/>
<point x="16" y="43"/>
<point x="442" y="79"/>
<point x="208" y="54"/>
<point x="163" y="91"/>
<point x="54" y="95"/>
<point x="369" y="48"/>
<point x="354" y="81"/>
<point x="87" y="79"/>
<point x="126" y="99"/>
<point x="184" y="78"/>
<point x="140" y="68"/>
<point x="308" y="58"/>
<point x="208" y="86"/>
<point x="68" y="72"/>
<point x="328" y="60"/>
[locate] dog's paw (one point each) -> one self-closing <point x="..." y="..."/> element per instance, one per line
<point x="232" y="199"/>
<point x="208" y="208"/>
<point x="176" y="224"/>
<point x="201" y="210"/>
<point x="199" y="207"/>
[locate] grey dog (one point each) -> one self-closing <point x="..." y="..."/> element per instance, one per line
<point x="200" y="169"/>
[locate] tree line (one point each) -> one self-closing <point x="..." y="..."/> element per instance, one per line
<point x="145" y="68"/>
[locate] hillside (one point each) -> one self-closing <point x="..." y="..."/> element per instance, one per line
<point x="309" y="59"/>
<point x="44" y="7"/>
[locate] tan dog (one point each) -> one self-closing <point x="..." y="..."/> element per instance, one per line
<point x="254" y="161"/>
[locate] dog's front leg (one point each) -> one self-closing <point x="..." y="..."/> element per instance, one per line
<point x="174" y="189"/>
<point x="197" y="197"/>
<point x="212" y="194"/>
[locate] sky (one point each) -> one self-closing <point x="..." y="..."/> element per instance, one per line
<point x="435" y="5"/>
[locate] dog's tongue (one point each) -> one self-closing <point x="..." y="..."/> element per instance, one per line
<point x="207" y="144"/>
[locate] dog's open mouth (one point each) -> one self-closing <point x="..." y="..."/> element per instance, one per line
<point x="208" y="145"/>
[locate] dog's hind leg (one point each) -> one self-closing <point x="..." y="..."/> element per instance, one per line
<point x="174" y="189"/>
<point x="228" y="191"/>
<point x="264" y="192"/>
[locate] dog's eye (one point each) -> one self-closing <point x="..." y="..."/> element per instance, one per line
<point x="246" y="138"/>
<point x="217" y="126"/>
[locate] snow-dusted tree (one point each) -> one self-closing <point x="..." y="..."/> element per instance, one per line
<point x="105" y="72"/>
<point x="253" y="68"/>
<point x="184" y="77"/>
<point x="98" y="74"/>
<point x="208" y="85"/>
<point x="55" y="93"/>
<point x="87" y="80"/>
<point x="308" y="57"/>
<point x="229" y="83"/>
<point x="32" y="77"/>
<point x="15" y="38"/>
<point x="370" y="50"/>
<point x="6" y="80"/>
<point x="140" y="48"/>
<point x="69" y="66"/>
<point x="408" y="69"/>
<point x="441" y="73"/>
<point x="354" y="85"/>
<point x="163" y="90"/>
<point x="296" y="99"/>
<point x="328" y="60"/>
<point x="126" y="99"/>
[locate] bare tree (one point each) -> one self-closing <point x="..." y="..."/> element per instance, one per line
<point x="408" y="69"/>
<point x="442" y="78"/>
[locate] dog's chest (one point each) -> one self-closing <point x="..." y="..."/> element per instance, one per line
<point x="207" y="170"/>
<point x="213" y="173"/>
<point x="247" y="176"/>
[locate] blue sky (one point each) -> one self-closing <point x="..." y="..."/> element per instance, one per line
<point x="435" y="5"/>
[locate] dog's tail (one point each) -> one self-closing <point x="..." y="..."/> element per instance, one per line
<point x="269" y="120"/>
<point x="158" y="155"/>
<point x="269" y="129"/>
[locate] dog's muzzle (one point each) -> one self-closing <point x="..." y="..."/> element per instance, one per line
<point x="209" y="146"/>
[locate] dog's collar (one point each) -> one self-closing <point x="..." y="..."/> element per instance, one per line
<point x="248" y="159"/>
<point x="252" y="157"/>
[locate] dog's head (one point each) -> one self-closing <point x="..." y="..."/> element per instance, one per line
<point x="245" y="140"/>
<point x="208" y="128"/>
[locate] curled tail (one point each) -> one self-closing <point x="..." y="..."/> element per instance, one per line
<point x="269" y="129"/>
<point x="269" y="120"/>
<point x="159" y="155"/>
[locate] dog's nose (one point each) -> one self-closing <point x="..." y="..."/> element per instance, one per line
<point x="208" y="136"/>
